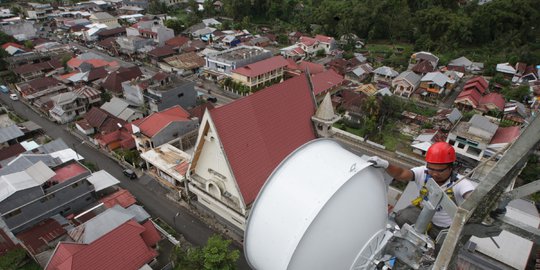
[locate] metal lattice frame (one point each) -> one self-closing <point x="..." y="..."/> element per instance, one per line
<point x="486" y="197"/>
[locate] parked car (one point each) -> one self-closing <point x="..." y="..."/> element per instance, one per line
<point x="4" y="89"/>
<point x="129" y="173"/>
<point x="13" y="96"/>
<point x="211" y="99"/>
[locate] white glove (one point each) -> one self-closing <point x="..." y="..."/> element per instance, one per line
<point x="378" y="162"/>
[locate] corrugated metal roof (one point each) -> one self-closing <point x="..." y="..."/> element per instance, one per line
<point x="115" y="106"/>
<point x="32" y="177"/>
<point x="24" y="161"/>
<point x="483" y="123"/>
<point x="100" y="225"/>
<point x="102" y="180"/>
<point x="10" y="133"/>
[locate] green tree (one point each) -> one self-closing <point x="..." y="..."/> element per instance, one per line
<point x="518" y="94"/>
<point x="157" y="7"/>
<point x="5" y="38"/>
<point x="17" y="259"/>
<point x="216" y="254"/>
<point x="105" y="96"/>
<point x="176" y="25"/>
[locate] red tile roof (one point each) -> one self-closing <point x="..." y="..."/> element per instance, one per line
<point x="11" y="151"/>
<point x="494" y="99"/>
<point x="43" y="83"/>
<point x="117" y="138"/>
<point x="267" y="126"/>
<point x="199" y="110"/>
<point x="114" y="81"/>
<point x="95" y="117"/>
<point x="161" y="51"/>
<point x="177" y="41"/>
<point x="150" y="236"/>
<point x="324" y="39"/>
<point x="262" y="67"/>
<point x="325" y="80"/>
<point x="5" y="45"/>
<point x="472" y="95"/>
<point x="155" y="122"/>
<point x="505" y="135"/>
<point x="313" y="68"/>
<point x="36" y="238"/>
<point x="68" y="171"/>
<point x="121" y="197"/>
<point x="482" y="82"/>
<point x="307" y="41"/>
<point x="123" y="248"/>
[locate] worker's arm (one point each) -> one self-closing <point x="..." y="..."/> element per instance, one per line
<point x="399" y="173"/>
<point x="396" y="172"/>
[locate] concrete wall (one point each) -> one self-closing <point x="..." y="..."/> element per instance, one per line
<point x="173" y="131"/>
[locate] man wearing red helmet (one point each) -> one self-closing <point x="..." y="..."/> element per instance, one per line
<point x="440" y="160"/>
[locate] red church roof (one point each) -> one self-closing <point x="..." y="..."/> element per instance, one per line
<point x="123" y="248"/>
<point x="262" y="67"/>
<point x="257" y="132"/>
<point x="153" y="123"/>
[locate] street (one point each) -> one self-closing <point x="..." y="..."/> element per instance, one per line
<point x="145" y="189"/>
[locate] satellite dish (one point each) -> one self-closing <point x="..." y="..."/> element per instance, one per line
<point x="323" y="207"/>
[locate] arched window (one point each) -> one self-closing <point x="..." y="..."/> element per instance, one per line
<point x="214" y="190"/>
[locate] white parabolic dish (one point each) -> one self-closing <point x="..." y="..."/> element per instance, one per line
<point x="317" y="210"/>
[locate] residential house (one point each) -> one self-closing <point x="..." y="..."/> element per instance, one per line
<point x="178" y="43"/>
<point x="131" y="241"/>
<point x="515" y="112"/>
<point x="506" y="70"/>
<point x="67" y="106"/>
<point x="119" y="138"/>
<point x="351" y="102"/>
<point x="469" y="98"/>
<point x="418" y="57"/>
<point x="119" y="108"/>
<point x="423" y="67"/>
<point x="477" y="83"/>
<point x="168" y="163"/>
<point x="108" y="33"/>
<point x="411" y="118"/>
<point x="159" y="53"/>
<point x="312" y="45"/>
<point x="105" y="18"/>
<point x="223" y="62"/>
<point x="425" y="139"/>
<point x="32" y="71"/>
<point x="325" y="82"/>
<point x="39" y="192"/>
<point x="230" y="41"/>
<point x="21" y="30"/>
<point x="294" y="52"/>
<point x="241" y="143"/>
<point x="261" y="73"/>
<point x="153" y="30"/>
<point x="133" y="91"/>
<point x="368" y="89"/>
<point x="185" y="64"/>
<point x="491" y="102"/>
<point x="162" y="127"/>
<point x="470" y="139"/>
<point x="113" y="82"/>
<point x="435" y="85"/>
<point x="98" y="121"/>
<point x="294" y="69"/>
<point x="13" y="48"/>
<point x="38" y="11"/>
<point x="464" y="65"/>
<point x="445" y="119"/>
<point x="360" y="73"/>
<point x="132" y="44"/>
<point x="384" y="75"/>
<point x="406" y="83"/>
<point x="169" y="90"/>
<point x="9" y="136"/>
<point x="500" y="140"/>
<point x="36" y="88"/>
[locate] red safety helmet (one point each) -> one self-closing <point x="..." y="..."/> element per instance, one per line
<point x="441" y="153"/>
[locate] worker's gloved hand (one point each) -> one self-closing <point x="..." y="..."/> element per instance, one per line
<point x="378" y="162"/>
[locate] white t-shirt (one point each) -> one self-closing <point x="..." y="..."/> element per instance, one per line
<point x="441" y="218"/>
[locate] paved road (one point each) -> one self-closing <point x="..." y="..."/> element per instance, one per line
<point x="145" y="189"/>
